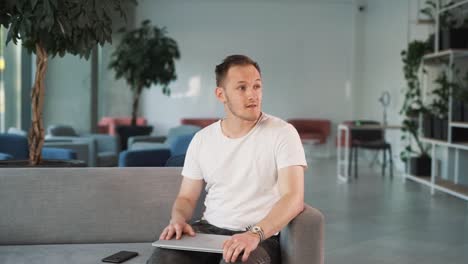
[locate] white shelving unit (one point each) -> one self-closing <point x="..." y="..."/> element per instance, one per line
<point x="435" y="182"/>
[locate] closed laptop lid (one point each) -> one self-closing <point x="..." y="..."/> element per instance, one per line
<point x="200" y="242"/>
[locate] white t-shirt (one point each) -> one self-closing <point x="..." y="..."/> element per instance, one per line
<point x="241" y="174"/>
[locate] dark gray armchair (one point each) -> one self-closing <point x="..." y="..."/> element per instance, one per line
<point x="103" y="149"/>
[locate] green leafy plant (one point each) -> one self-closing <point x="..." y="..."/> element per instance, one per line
<point x="460" y="87"/>
<point x="145" y="57"/>
<point x="55" y="27"/>
<point x="412" y="105"/>
<point x="440" y="104"/>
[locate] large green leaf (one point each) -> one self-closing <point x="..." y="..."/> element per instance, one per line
<point x="61" y="26"/>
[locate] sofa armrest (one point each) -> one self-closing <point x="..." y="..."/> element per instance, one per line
<point x="302" y="239"/>
<point x="154" y="139"/>
<point x="148" y="145"/>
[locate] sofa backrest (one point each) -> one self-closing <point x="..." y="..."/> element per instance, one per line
<point x="201" y="122"/>
<point x="312" y="125"/>
<point x="61" y="131"/>
<point x="85" y="205"/>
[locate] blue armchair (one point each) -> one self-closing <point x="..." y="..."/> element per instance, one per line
<point x="15" y="147"/>
<point x="176" y="161"/>
<point x="80" y="148"/>
<point x="177" y="141"/>
<point x="144" y="158"/>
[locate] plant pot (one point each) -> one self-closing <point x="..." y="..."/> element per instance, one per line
<point x="454" y="38"/>
<point x="44" y="164"/>
<point x="428" y="126"/>
<point x="440" y="128"/>
<point x="457" y="111"/>
<point x="125" y="132"/>
<point x="420" y="166"/>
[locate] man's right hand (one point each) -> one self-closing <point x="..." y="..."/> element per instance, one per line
<point x="177" y="228"/>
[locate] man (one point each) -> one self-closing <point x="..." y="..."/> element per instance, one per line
<point x="253" y="165"/>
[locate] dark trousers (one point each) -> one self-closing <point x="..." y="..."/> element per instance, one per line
<point x="267" y="251"/>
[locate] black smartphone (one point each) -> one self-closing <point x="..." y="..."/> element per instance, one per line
<point x="120" y="257"/>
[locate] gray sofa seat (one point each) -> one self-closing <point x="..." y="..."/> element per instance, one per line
<point x="72" y="253"/>
<point x="85" y="214"/>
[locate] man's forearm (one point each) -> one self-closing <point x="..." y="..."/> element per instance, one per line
<point x="288" y="207"/>
<point x="182" y="210"/>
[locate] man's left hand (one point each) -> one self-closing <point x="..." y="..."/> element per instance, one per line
<point x="244" y="242"/>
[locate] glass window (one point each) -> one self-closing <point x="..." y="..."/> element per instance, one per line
<point x="10" y="84"/>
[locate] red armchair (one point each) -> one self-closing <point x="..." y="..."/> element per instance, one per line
<point x="201" y="122"/>
<point x="107" y="125"/>
<point x="312" y="129"/>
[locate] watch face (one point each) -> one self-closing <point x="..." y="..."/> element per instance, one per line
<point x="256" y="229"/>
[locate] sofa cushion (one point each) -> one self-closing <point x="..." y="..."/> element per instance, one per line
<point x="200" y="122"/>
<point x="71" y="253"/>
<point x="4" y="156"/>
<point x="149" y="145"/>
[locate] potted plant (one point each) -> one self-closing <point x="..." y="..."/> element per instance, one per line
<point x="457" y="107"/>
<point x="439" y="106"/>
<point x="418" y="159"/>
<point x="144" y="57"/>
<point x="49" y="28"/>
<point x="459" y="97"/>
<point x="453" y="29"/>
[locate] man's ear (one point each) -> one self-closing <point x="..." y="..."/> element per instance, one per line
<point x="219" y="92"/>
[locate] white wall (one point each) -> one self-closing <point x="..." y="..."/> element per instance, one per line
<point x="304" y="48"/>
<point x="387" y="28"/>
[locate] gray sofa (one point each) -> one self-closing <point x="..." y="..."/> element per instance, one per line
<point x="80" y="215"/>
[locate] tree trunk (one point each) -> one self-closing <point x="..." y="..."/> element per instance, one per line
<point x="136" y="102"/>
<point x="36" y="133"/>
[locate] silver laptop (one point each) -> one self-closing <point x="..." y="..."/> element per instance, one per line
<point x="199" y="242"/>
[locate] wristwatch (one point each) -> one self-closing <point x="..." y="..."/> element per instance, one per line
<point x="258" y="231"/>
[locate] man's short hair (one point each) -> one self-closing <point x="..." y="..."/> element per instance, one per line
<point x="230" y="61"/>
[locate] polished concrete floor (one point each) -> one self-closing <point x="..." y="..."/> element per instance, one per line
<point x="383" y="220"/>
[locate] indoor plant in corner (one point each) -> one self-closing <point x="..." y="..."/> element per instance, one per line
<point x="439" y="106"/>
<point x="460" y="98"/>
<point x="55" y="27"/>
<point x="418" y="159"/>
<point x="144" y="57"/>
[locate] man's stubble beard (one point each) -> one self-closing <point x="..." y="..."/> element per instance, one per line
<point x="238" y="115"/>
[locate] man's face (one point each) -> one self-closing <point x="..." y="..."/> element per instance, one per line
<point x="241" y="92"/>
